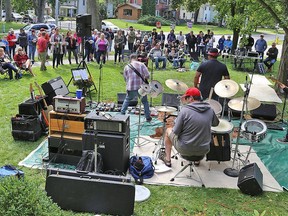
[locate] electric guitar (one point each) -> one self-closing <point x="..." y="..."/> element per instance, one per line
<point x="46" y="110"/>
<point x="275" y="80"/>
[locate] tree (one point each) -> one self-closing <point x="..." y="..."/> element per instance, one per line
<point x="8" y="10"/>
<point x="279" y="12"/>
<point x="22" y="5"/>
<point x="41" y="9"/>
<point x="93" y="9"/>
<point x="148" y="7"/>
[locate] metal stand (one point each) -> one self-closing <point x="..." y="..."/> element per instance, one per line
<point x="100" y="79"/>
<point x="152" y="71"/>
<point x="232" y="172"/>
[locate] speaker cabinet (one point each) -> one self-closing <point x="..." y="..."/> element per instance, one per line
<point x="265" y="111"/>
<point x="250" y="180"/>
<point x="83" y="25"/>
<point x="121" y="97"/>
<point x="114" y="149"/>
<point x="54" y="87"/>
<point x="170" y="100"/>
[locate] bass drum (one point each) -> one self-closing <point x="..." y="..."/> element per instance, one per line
<point x="254" y="130"/>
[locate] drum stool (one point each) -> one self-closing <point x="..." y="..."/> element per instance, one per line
<point x="192" y="167"/>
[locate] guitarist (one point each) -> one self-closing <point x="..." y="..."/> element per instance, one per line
<point x="5" y="63"/>
<point x="135" y="74"/>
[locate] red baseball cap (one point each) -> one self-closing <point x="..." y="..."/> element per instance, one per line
<point x="194" y="92"/>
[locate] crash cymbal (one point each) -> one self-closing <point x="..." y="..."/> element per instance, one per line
<point x="166" y="109"/>
<point x="226" y="88"/>
<point x="176" y="85"/>
<point x="237" y="104"/>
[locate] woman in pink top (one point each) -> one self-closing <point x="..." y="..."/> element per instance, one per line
<point x="101" y="47"/>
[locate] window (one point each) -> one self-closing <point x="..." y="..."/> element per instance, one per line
<point x="127" y="12"/>
<point x="84" y="1"/>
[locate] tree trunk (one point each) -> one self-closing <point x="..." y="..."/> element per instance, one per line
<point x="196" y="16"/>
<point x="93" y="9"/>
<point x="283" y="67"/>
<point x="235" y="39"/>
<point x="35" y="6"/>
<point x="41" y="10"/>
<point x="8" y="10"/>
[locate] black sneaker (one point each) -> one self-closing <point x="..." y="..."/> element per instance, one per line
<point x="162" y="157"/>
<point x="149" y="119"/>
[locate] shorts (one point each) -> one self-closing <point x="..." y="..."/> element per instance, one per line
<point x="175" y="142"/>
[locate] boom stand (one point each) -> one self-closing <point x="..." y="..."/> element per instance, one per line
<point x="232" y="172"/>
<point x="100" y="90"/>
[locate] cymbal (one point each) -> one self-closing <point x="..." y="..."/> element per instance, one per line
<point x="237" y="104"/>
<point x="166" y="109"/>
<point x="226" y="88"/>
<point x="176" y="85"/>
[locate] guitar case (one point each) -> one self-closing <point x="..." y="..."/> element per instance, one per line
<point x="91" y="192"/>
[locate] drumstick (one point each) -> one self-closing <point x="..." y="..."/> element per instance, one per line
<point x="210" y="94"/>
<point x="215" y="140"/>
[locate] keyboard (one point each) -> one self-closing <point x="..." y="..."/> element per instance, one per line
<point x="274" y="126"/>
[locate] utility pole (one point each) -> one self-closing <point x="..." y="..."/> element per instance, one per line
<point x="57" y="11"/>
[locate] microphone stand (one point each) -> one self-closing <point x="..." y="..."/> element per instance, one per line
<point x="232" y="172"/>
<point x="100" y="78"/>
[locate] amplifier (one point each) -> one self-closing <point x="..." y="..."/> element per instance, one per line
<point x="106" y="123"/>
<point x="252" y="54"/>
<point x="69" y="104"/>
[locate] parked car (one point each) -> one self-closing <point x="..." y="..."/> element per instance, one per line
<point x="109" y="25"/>
<point x="27" y="28"/>
<point x="49" y="19"/>
<point x="16" y="17"/>
<point x="29" y="18"/>
<point x="52" y="26"/>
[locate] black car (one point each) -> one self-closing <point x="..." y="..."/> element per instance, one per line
<point x="29" y="18"/>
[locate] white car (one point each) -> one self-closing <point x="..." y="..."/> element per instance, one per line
<point x="28" y="28"/>
<point x="106" y="24"/>
<point x="48" y="19"/>
<point x="17" y="17"/>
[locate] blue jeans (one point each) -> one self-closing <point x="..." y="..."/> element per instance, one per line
<point x="129" y="96"/>
<point x="160" y="59"/>
<point x="10" y="68"/>
<point x="268" y="59"/>
<point x="32" y="50"/>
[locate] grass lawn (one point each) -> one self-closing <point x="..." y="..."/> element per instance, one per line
<point x="164" y="200"/>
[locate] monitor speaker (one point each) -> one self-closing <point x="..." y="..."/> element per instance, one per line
<point x="121" y="97"/>
<point x="170" y="100"/>
<point x="250" y="180"/>
<point x="83" y="25"/>
<point x="54" y="87"/>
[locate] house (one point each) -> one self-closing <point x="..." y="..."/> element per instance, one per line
<point x="207" y="14"/>
<point x="128" y="11"/>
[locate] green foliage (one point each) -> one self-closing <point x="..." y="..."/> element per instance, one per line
<point x="151" y="20"/>
<point x="22" y="5"/>
<point x="23" y="197"/>
<point x="148" y="7"/>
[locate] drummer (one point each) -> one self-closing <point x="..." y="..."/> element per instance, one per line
<point x="191" y="134"/>
<point x="135" y="74"/>
<point x="211" y="72"/>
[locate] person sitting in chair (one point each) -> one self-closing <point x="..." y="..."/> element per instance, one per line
<point x="157" y="56"/>
<point x="272" y="56"/>
<point x="5" y="63"/>
<point x="191" y="134"/>
<point x="22" y="61"/>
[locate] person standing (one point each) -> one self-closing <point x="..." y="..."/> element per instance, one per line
<point x="191" y="134"/>
<point x="134" y="81"/>
<point x="272" y="56"/>
<point x="221" y="44"/>
<point x="131" y="38"/>
<point x="71" y="46"/>
<point x="23" y="40"/>
<point x="42" y="50"/>
<point x="101" y="47"/>
<point x="32" y="41"/>
<point x="57" y="49"/>
<point x="118" y="45"/>
<point x="211" y="72"/>
<point x="191" y="41"/>
<point x="11" y="38"/>
<point x="261" y="46"/>
<point x="250" y="43"/>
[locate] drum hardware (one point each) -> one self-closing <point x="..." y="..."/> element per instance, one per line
<point x="232" y="172"/>
<point x="176" y="85"/>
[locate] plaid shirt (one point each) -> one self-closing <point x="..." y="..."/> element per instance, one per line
<point x="133" y="81"/>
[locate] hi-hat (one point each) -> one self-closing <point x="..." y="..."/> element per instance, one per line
<point x="166" y="109"/>
<point x="237" y="104"/>
<point x="176" y="85"/>
<point x="226" y="88"/>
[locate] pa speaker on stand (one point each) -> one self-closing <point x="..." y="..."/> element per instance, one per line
<point x="83" y="25"/>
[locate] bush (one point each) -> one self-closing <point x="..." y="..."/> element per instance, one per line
<point x="23" y="197"/>
<point x="151" y="20"/>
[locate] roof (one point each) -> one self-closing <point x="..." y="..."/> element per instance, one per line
<point x="132" y="5"/>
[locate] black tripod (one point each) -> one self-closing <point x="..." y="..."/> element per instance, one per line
<point x="100" y="86"/>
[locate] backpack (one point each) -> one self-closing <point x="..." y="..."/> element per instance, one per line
<point x="141" y="168"/>
<point x="9" y="170"/>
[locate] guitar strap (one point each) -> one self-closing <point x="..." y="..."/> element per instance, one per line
<point x="137" y="72"/>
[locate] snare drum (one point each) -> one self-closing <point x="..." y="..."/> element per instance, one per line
<point x="254" y="130"/>
<point x="155" y="88"/>
<point x="216" y="106"/>
<point x="223" y="127"/>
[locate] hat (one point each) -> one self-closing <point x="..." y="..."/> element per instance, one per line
<point x="213" y="52"/>
<point x="194" y="92"/>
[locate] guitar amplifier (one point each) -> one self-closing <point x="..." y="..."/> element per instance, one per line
<point x="91" y="192"/>
<point x="118" y="124"/>
<point x="69" y="104"/>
